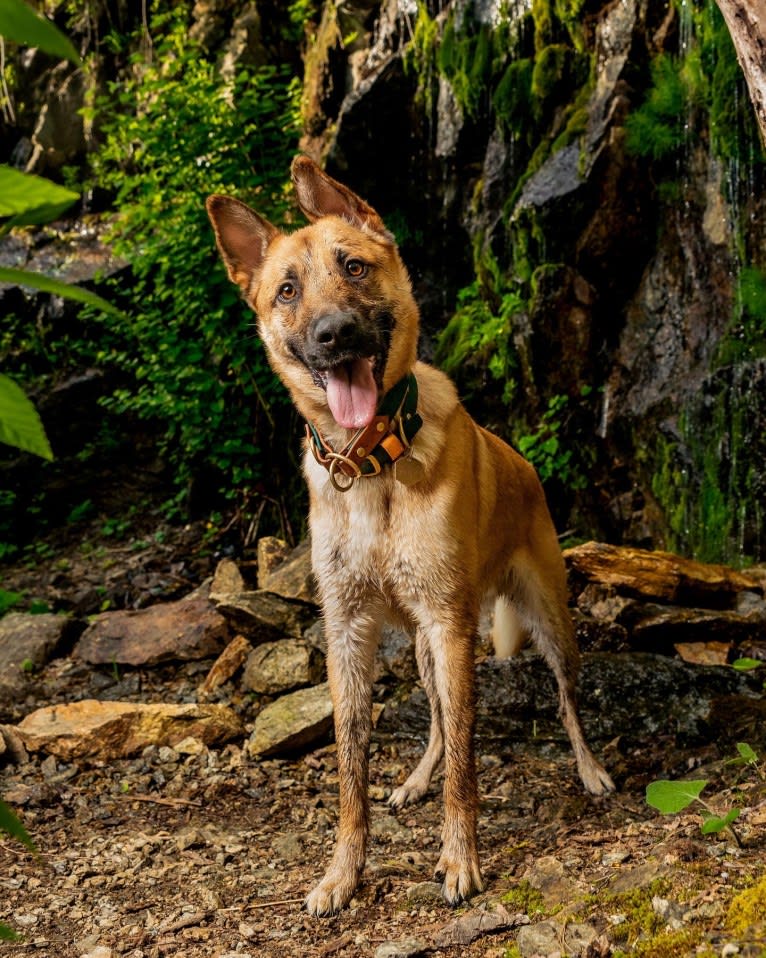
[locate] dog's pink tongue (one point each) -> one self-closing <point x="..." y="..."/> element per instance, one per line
<point x="352" y="394"/>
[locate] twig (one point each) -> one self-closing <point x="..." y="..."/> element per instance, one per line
<point x="163" y="801"/>
<point x="272" y="904"/>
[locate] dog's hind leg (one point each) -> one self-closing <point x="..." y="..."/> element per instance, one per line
<point x="416" y="785"/>
<point x="351" y="644"/>
<point x="539" y="592"/>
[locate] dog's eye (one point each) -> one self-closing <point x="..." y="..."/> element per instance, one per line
<point x="287" y="292"/>
<point x="355" y="268"/>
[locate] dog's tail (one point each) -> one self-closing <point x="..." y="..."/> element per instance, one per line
<point x="508" y="636"/>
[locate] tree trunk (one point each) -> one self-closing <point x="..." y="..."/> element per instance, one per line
<point x="746" y="20"/>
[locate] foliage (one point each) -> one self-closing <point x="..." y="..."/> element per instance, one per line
<point x="174" y="132"/>
<point x="670" y="797"/>
<point x="546" y="449"/>
<point x="20" y="424"/>
<point x="20" y="23"/>
<point x="9" y="823"/>
<point x="477" y="331"/>
<point x="656" y="128"/>
<point x="27" y="199"/>
<point x="24" y="200"/>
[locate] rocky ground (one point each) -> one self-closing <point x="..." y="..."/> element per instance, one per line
<point x="191" y="849"/>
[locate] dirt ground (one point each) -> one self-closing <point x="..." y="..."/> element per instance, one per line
<point x="212" y="854"/>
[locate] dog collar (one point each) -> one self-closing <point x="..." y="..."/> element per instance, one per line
<point x="384" y="441"/>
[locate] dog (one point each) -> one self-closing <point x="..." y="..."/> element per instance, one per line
<point x="417" y="514"/>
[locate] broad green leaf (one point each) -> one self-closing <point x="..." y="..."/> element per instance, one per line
<point x="714" y="823"/>
<point x="669" y="797"/>
<point x="31" y="199"/>
<point x="20" y="426"/>
<point x="746" y="665"/>
<point x="20" y="23"/>
<point x="747" y="753"/>
<point x="9" y="823"/>
<point x="8" y="934"/>
<point x="46" y="284"/>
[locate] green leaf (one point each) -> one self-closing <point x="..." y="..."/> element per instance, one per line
<point x="8" y="934"/>
<point x="31" y="199"/>
<point x="714" y="823"/>
<point x="20" y="426"/>
<point x="747" y="753"/>
<point x="9" y="823"/>
<point x="746" y="665"/>
<point x="20" y="23"/>
<point x="669" y="797"/>
<point x="46" y="284"/>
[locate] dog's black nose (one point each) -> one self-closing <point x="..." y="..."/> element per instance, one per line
<point x="334" y="333"/>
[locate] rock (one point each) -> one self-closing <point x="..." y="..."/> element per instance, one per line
<point x="227" y="579"/>
<point x="427" y="893"/>
<point x="539" y="940"/>
<point x="265" y="617"/>
<point x="396" y="654"/>
<point x="101" y="731"/>
<point x="11" y="747"/>
<point x="271" y="553"/>
<point x="292" y="578"/>
<point x="634" y="693"/>
<point x="276" y="667"/>
<point x="293" y="722"/>
<point x="658" y="575"/>
<point x="402" y="948"/>
<point x="185" y="630"/>
<point x="226" y="665"/>
<point x="549" y="877"/>
<point x="27" y="643"/>
<point x="475" y="924"/>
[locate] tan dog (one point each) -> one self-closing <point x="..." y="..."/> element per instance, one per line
<point x="418" y="523"/>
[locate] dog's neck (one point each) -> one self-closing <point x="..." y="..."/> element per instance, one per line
<point x="382" y="442"/>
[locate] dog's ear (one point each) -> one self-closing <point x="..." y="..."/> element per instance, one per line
<point x="242" y="237"/>
<point x="320" y="195"/>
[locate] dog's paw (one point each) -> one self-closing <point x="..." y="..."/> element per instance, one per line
<point x="407" y="794"/>
<point x="596" y="780"/>
<point x="460" y="879"/>
<point x="329" y="896"/>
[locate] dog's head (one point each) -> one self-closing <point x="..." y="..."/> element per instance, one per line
<point x="333" y="300"/>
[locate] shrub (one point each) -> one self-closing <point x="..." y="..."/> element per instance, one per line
<point x="173" y="132"/>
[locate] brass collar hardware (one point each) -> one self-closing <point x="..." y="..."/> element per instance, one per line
<point x="384" y="441"/>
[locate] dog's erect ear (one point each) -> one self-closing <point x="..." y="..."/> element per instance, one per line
<point x="320" y="195"/>
<point x="242" y="237"/>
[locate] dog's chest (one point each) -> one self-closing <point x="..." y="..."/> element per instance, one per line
<point x="371" y="542"/>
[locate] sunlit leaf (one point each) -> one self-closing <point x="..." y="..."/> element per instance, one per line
<point x="747" y="753"/>
<point x="20" y="426"/>
<point x="10" y="823"/>
<point x="746" y="665"/>
<point x="715" y="823"/>
<point x="668" y="797"/>
<point x="20" y="23"/>
<point x="30" y="199"/>
<point x="46" y="284"/>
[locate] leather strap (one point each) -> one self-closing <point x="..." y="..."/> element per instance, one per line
<point x="384" y="440"/>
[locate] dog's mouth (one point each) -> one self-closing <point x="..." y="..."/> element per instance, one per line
<point x="352" y="391"/>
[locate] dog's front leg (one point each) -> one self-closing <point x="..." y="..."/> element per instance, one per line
<point x="351" y="649"/>
<point x="452" y="650"/>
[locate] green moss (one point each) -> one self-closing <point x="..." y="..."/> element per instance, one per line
<point x="706" y="481"/>
<point x="746" y="915"/>
<point x="524" y="898"/>
<point x="512" y="99"/>
<point x="480" y="331"/>
<point x="656" y="129"/>
<point x="552" y="70"/>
